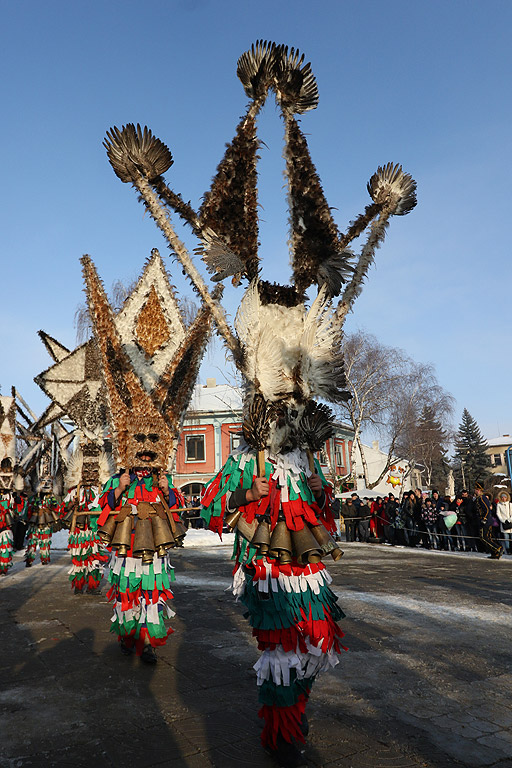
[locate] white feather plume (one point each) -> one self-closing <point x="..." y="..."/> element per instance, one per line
<point x="74" y="468"/>
<point x="320" y="356"/>
<point x="107" y="466"/>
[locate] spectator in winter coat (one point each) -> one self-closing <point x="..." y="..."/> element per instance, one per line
<point x="472" y="522"/>
<point x="390" y="512"/>
<point x="487" y="529"/>
<point x="350" y="515"/>
<point x="504" y="515"/>
<point x="376" y="522"/>
<point x="429" y="524"/>
<point x="407" y="511"/>
<point x="363" y="526"/>
<point x="459" y="529"/>
<point x="444" y="526"/>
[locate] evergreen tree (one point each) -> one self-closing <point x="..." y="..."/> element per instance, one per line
<point x="471" y="461"/>
<point x="431" y="452"/>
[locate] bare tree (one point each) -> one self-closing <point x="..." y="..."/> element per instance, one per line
<point x="389" y="392"/>
<point x="421" y="394"/>
<point x="118" y="295"/>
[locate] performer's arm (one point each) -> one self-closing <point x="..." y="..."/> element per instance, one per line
<point x="116" y="493"/>
<point x="315" y="483"/>
<point x="242" y="496"/>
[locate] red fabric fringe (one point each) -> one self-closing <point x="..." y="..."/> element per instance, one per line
<point x="283" y="720"/>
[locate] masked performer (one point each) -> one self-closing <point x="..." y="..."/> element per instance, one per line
<point x="271" y="491"/>
<point x="84" y="545"/>
<point x="150" y="362"/>
<point x="43" y="516"/>
<point x="6" y="536"/>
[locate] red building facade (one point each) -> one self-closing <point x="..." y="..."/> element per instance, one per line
<point x="212" y="430"/>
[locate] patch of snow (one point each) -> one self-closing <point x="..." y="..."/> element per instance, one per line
<point x="202" y="538"/>
<point x="500" y="613"/>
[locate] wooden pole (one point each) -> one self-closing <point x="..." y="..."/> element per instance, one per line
<point x="260" y="463"/>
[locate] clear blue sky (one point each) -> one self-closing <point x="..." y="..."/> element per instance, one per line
<point x="426" y="84"/>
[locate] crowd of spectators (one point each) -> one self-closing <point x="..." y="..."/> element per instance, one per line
<point x="430" y="521"/>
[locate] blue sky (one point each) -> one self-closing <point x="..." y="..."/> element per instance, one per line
<point x="426" y="84"/>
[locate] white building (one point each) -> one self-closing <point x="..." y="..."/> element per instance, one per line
<point x="397" y="479"/>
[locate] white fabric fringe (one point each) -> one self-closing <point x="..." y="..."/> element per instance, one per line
<point x="276" y="665"/>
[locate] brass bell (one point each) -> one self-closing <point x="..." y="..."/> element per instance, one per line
<point x="181" y="531"/>
<point x="305" y="546"/>
<point x="162" y="535"/>
<point x="326" y="541"/>
<point x="68" y="517"/>
<point x="122" y="538"/>
<point x="281" y="542"/>
<point x="8" y="519"/>
<point x="261" y="538"/>
<point x="106" y="531"/>
<point x="143" y="542"/>
<point x="232" y="519"/>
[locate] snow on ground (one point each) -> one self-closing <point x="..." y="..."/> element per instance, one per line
<point x="194" y="538"/>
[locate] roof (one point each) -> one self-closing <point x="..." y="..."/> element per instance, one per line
<point x="221" y="397"/>
<point x="495" y="442"/>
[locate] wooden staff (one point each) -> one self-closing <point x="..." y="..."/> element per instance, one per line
<point x="260" y="463"/>
<point x="77" y="508"/>
<point x="311" y="460"/>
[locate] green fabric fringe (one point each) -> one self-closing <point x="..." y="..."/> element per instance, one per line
<point x="284" y="695"/>
<point x="147" y="581"/>
<point x="281" y="610"/>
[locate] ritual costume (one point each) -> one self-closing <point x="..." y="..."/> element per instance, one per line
<point x="75" y="386"/>
<point x="87" y="556"/>
<point x="271" y="491"/>
<point x="43" y="516"/>
<point x="149" y="364"/>
<point x="141" y="579"/>
<point x="6" y="536"/>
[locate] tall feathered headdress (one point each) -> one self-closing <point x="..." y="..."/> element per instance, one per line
<point x="75" y="387"/>
<point x="149" y="361"/>
<point x="7" y="440"/>
<point x="287" y="353"/>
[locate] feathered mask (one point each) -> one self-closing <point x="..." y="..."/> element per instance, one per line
<point x="287" y="353"/>
<point x="150" y="361"/>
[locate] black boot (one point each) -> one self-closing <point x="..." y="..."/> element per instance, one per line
<point x="288" y="754"/>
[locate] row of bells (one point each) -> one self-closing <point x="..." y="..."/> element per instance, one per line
<point x="153" y="532"/>
<point x="308" y="545"/>
<point x="46" y="516"/>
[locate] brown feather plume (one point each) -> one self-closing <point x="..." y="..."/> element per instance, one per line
<point x="230" y="206"/>
<point x="255" y="69"/>
<point x="316" y="425"/>
<point x="256" y="425"/>
<point x="133" y="151"/>
<point x="294" y="82"/>
<point x="315" y="237"/>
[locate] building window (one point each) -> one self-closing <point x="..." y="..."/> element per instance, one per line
<point x="496" y="459"/>
<point x="194" y="448"/>
<point x="192" y="489"/>
<point x="338" y="453"/>
<point x="234" y="441"/>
